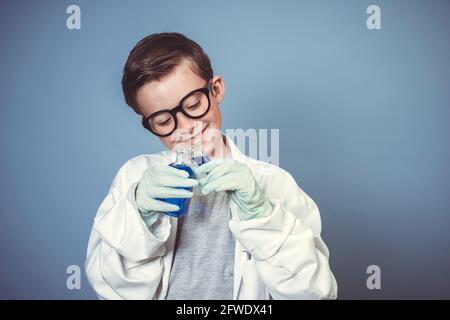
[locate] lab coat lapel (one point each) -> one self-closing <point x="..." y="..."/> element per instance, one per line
<point x="240" y="255"/>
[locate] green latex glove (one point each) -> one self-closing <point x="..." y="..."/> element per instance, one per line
<point x="161" y="181"/>
<point x="235" y="176"/>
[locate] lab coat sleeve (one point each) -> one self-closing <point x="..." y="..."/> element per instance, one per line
<point x="124" y="258"/>
<point x="289" y="253"/>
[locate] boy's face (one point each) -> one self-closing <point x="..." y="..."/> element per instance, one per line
<point x="167" y="94"/>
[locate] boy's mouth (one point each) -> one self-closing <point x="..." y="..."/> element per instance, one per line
<point x="196" y="141"/>
<point x="199" y="135"/>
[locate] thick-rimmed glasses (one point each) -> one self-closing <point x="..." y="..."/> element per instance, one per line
<point x="194" y="105"/>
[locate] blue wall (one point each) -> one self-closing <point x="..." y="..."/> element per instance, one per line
<point x="363" y="117"/>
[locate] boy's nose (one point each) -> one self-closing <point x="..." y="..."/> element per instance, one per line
<point x="185" y="123"/>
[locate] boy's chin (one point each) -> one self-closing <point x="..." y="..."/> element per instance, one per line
<point x="215" y="148"/>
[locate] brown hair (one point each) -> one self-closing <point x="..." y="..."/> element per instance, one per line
<point x="157" y="55"/>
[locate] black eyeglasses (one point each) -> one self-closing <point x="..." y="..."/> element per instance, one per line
<point x="194" y="105"/>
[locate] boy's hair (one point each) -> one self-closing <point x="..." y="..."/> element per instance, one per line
<point x="157" y="55"/>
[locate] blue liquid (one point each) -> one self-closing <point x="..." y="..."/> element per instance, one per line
<point x="201" y="160"/>
<point x="182" y="203"/>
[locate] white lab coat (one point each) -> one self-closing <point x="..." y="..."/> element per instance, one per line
<point x="278" y="256"/>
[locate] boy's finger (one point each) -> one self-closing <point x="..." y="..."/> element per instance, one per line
<point x="226" y="182"/>
<point x="216" y="173"/>
<point x="160" y="206"/>
<point x="195" y="171"/>
<point x="208" y="167"/>
<point x="174" y="182"/>
<point x="167" y="192"/>
<point x="165" y="169"/>
<point x="166" y="207"/>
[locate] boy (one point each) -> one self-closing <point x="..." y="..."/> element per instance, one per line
<point x="247" y="234"/>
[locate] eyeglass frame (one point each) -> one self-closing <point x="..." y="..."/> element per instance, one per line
<point x="179" y="108"/>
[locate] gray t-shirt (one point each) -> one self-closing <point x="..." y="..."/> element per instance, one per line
<point x="204" y="251"/>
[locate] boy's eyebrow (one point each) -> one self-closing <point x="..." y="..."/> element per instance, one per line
<point x="158" y="108"/>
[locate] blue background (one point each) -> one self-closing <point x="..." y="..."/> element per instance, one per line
<point x="363" y="117"/>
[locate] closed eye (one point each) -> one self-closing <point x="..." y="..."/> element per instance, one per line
<point x="166" y="122"/>
<point x="194" y="106"/>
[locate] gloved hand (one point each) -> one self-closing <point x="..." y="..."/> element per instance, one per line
<point x="161" y="181"/>
<point x="235" y="176"/>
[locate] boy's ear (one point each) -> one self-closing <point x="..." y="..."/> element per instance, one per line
<point x="217" y="88"/>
